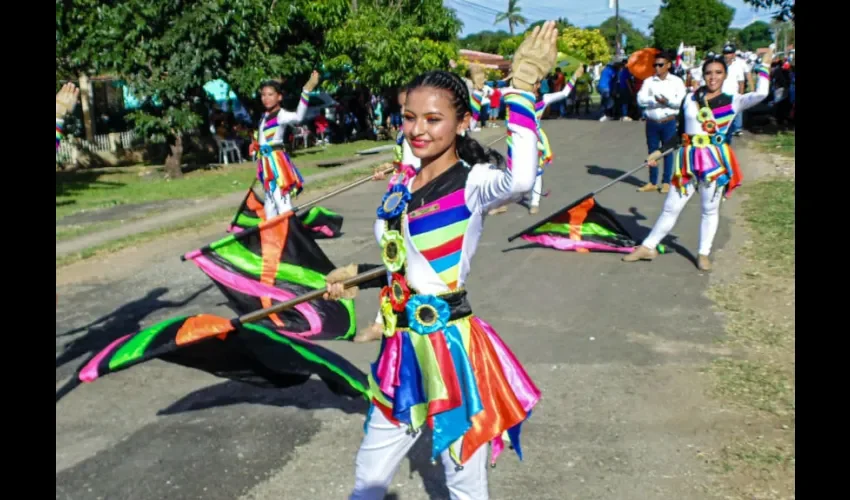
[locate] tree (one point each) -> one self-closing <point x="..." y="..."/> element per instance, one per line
<point x="513" y="16"/>
<point x="701" y="23"/>
<point x="755" y="35"/>
<point x="382" y="47"/>
<point x="635" y="39"/>
<point x="561" y="24"/>
<point x="588" y="45"/>
<point x="166" y="51"/>
<point x="484" y="41"/>
<point x="785" y="8"/>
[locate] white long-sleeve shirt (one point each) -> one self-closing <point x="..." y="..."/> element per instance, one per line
<point x="272" y="133"/>
<point x="671" y="87"/>
<point x="464" y="202"/>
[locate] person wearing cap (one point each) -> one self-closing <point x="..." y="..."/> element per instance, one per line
<point x="735" y="83"/>
<point x="661" y="96"/>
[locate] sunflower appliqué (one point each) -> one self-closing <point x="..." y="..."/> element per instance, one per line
<point x="394" y="202"/>
<point x="701" y="141"/>
<point x="399" y="292"/>
<point x="705" y="114"/>
<point x="393" y="253"/>
<point x="427" y="314"/>
<point x="718" y="139"/>
<point x="709" y="126"/>
<point x="686" y="140"/>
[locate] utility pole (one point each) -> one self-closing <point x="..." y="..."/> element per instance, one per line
<point x="617" y="18"/>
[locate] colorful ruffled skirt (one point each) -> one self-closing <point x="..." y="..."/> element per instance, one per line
<point x="705" y="158"/>
<point x="275" y="170"/>
<point x="442" y="366"/>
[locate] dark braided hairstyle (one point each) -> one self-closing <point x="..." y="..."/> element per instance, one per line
<point x="274" y="84"/>
<point x="468" y="149"/>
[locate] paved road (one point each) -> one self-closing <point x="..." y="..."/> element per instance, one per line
<point x="614" y="348"/>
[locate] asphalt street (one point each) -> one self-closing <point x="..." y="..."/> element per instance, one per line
<point x="614" y="347"/>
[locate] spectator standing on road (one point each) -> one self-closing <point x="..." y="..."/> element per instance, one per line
<point x="584" y="86"/>
<point x="735" y="84"/>
<point x="661" y="96"/>
<point x="495" y="106"/>
<point x="607" y="81"/>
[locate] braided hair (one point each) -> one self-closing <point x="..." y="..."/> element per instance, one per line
<point x="468" y="149"/>
<point x="273" y="84"/>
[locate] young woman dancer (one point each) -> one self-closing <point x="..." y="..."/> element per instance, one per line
<point x="438" y="363"/>
<point x="705" y="161"/>
<point x="275" y="171"/>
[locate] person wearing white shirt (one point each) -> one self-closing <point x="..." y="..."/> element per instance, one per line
<point x="661" y="97"/>
<point x="735" y="84"/>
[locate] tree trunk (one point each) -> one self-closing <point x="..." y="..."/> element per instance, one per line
<point x="175" y="159"/>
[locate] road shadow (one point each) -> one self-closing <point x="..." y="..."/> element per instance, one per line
<point x="613" y="173"/>
<point x="73" y="182"/>
<point x="632" y="224"/>
<point x="106" y="329"/>
<point x="311" y="395"/>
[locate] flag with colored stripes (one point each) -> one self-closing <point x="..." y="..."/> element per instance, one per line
<point x="320" y="222"/>
<point x="274" y="262"/>
<point x="248" y="353"/>
<point x="585" y="226"/>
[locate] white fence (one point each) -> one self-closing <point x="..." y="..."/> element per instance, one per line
<point x="102" y="143"/>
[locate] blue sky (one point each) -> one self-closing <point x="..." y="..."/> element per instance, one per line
<point x="478" y="15"/>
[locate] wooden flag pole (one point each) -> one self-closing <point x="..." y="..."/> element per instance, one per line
<point x="255" y="316"/>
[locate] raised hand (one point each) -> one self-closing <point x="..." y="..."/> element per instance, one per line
<point x="535" y="57"/>
<point x="312" y="82"/>
<point x="579" y="71"/>
<point x="66" y="99"/>
<point x="478" y="76"/>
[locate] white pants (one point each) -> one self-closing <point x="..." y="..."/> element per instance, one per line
<point x="537" y="191"/>
<point x="385" y="445"/>
<point x="673" y="205"/>
<point x="276" y="203"/>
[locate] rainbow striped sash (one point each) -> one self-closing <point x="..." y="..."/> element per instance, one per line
<point x="437" y="231"/>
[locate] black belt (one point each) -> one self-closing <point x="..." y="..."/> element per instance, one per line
<point x="663" y="120"/>
<point x="458" y="304"/>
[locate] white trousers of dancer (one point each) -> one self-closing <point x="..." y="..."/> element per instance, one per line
<point x="537" y="191"/>
<point x="384" y="447"/>
<point x="673" y="205"/>
<point x="276" y="203"/>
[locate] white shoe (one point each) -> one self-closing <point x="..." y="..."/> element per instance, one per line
<point x="604" y="118"/>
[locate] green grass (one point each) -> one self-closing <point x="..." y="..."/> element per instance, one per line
<point x="335" y="151"/>
<point x="222" y="216"/>
<point x="783" y="143"/>
<point x="760" y="326"/>
<point x="91" y="190"/>
<point x="770" y="212"/>
<point x="86" y="190"/>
